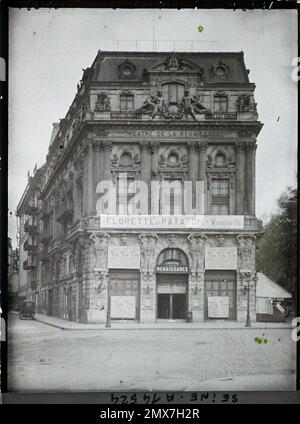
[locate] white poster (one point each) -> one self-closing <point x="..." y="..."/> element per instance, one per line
<point x="220" y="258"/>
<point x="122" y="307"/>
<point x="127" y="257"/>
<point x="218" y="306"/>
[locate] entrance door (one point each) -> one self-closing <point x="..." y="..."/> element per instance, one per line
<point x="171" y="296"/>
<point x="221" y="284"/>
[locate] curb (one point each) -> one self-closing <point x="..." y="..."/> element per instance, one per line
<point x="60" y="327"/>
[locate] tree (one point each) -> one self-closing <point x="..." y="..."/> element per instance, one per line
<point x="277" y="249"/>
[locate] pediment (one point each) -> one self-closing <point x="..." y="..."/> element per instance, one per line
<point x="174" y="63"/>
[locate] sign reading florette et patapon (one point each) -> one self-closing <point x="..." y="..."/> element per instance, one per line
<point x="149" y="222"/>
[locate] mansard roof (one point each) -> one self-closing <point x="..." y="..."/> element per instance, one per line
<point x="106" y="67"/>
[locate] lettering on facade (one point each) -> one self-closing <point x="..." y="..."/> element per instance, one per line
<point x="170" y="134"/>
<point x="172" y="266"/>
<point x="172" y="221"/>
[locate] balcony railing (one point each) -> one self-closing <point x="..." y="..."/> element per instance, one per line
<point x="221" y="116"/>
<point x="31" y="210"/>
<point x="28" y="265"/>
<point x="46" y="238"/>
<point x="30" y="246"/>
<point x="124" y="115"/>
<point x="30" y="227"/>
<point x="45" y="213"/>
<point x="64" y="211"/>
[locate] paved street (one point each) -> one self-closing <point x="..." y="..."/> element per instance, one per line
<point x="42" y="357"/>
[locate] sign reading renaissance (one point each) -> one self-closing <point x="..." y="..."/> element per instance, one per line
<point x="125" y="257"/>
<point x="221" y="222"/>
<point x="172" y="266"/>
<point x="218" y="306"/>
<point x="122" y="307"/>
<point x="220" y="258"/>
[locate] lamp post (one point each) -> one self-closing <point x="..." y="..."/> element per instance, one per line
<point x="248" y="282"/>
<point x="108" y="324"/>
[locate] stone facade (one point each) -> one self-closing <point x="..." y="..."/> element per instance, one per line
<point x="156" y="117"/>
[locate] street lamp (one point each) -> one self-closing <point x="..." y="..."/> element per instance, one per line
<point x="248" y="282"/>
<point x="107" y="324"/>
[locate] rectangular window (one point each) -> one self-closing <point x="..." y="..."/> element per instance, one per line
<point x="220" y="196"/>
<point x="126" y="102"/>
<point x="171" y="197"/>
<point x="173" y="92"/>
<point x="125" y="192"/>
<point x="220" y="104"/>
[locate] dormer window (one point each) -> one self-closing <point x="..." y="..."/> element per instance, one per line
<point x="127" y="70"/>
<point x="173" y="92"/>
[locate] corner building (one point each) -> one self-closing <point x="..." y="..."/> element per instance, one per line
<point x="164" y="116"/>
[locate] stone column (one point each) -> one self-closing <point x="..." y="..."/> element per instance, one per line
<point x="85" y="178"/>
<point x="97" y="153"/>
<point x="250" y="177"/>
<point x="154" y="160"/>
<point x="154" y="166"/>
<point x="202" y="171"/>
<point x="107" y="147"/>
<point x="78" y="186"/>
<point x="193" y="168"/>
<point x="148" y="277"/>
<point x="146" y="167"/>
<point x="240" y="181"/>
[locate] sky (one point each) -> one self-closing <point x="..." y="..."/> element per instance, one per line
<point x="48" y="49"/>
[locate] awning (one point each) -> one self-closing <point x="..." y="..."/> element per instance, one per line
<point x="268" y="289"/>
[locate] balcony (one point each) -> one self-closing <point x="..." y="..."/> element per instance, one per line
<point x="46" y="238"/>
<point x="65" y="211"/>
<point x="30" y="227"/>
<point x="31" y="209"/>
<point x="221" y="116"/>
<point x="45" y="213"/>
<point x="30" y="246"/>
<point x="28" y="265"/>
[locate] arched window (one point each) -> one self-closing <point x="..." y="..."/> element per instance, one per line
<point x="173" y="92"/>
<point x="172" y="255"/>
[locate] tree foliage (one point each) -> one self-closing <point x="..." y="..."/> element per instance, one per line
<point x="277" y="249"/>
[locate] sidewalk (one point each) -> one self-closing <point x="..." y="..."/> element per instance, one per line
<point x="213" y="325"/>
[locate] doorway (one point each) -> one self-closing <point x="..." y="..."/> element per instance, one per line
<point x="172" y="296"/>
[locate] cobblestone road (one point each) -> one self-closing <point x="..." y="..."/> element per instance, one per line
<point x="46" y="358"/>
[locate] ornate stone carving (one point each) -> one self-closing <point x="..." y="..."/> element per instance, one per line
<point x="246" y="249"/>
<point x="243" y="103"/>
<point x="172" y="240"/>
<point x="197" y="246"/>
<point x="191" y="105"/>
<point x="220" y="240"/>
<point x="209" y="162"/>
<point x="102" y="103"/>
<point x="148" y="244"/>
<point x="124" y="240"/>
<point x="173" y="63"/>
<point x="100" y="248"/>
